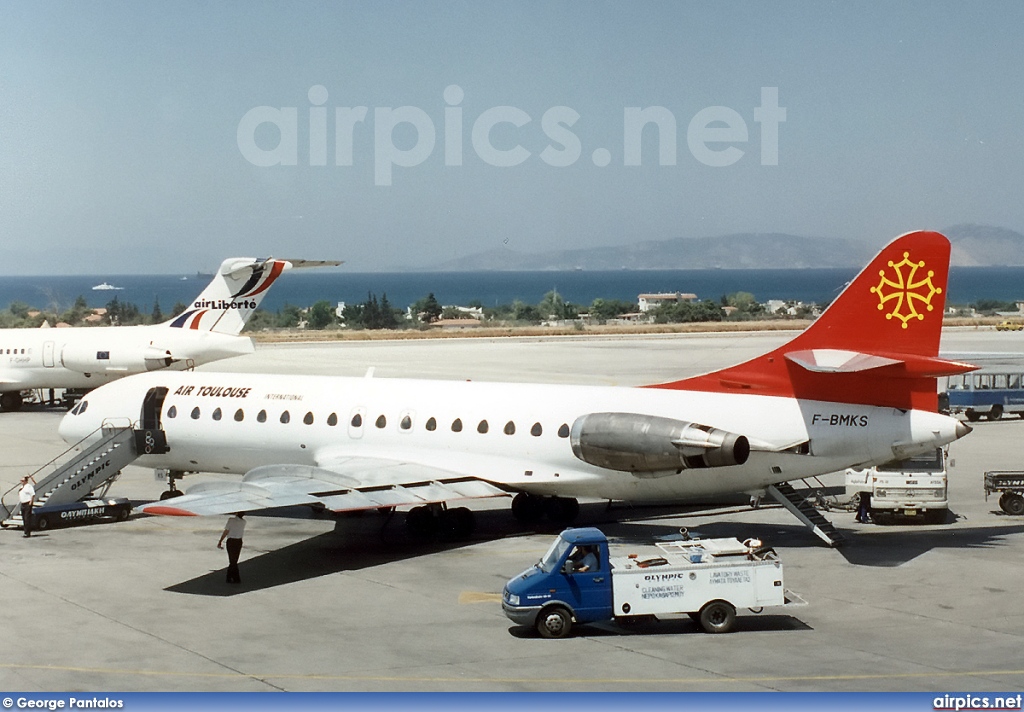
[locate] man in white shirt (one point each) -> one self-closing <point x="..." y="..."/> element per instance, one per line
<point x="233" y="532"/>
<point x="27" y="497"/>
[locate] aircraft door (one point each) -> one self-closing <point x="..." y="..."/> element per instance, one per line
<point x="48" y="361"/>
<point x="150" y="438"/>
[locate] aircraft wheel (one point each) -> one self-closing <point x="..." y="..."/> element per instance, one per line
<point x="170" y="494"/>
<point x="420" y="521"/>
<point x="996" y="413"/>
<point x="554" y="622"/>
<point x="717" y="617"/>
<point x="11" y="400"/>
<point x="527" y="508"/>
<point x="561" y="510"/>
<point x="457" y="523"/>
<point x="1012" y="503"/>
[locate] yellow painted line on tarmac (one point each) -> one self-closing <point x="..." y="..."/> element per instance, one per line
<point x="468" y="597"/>
<point x="583" y="682"/>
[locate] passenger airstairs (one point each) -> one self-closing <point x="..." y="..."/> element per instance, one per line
<point x="800" y="507"/>
<point x="77" y="472"/>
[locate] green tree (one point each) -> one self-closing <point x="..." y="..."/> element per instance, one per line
<point x="19" y="309"/>
<point x="320" y="315"/>
<point x="429" y="309"/>
<point x="289" y="316"/>
<point x="604" y="309"/>
<point x="156" y="316"/>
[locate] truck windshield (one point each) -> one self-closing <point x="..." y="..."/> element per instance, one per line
<point x="928" y="462"/>
<point x="549" y="562"/>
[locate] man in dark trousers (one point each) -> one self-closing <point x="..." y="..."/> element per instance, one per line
<point x="233" y="531"/>
<point x="27" y="498"/>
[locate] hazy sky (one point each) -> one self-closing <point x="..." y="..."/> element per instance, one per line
<point x="163" y="137"/>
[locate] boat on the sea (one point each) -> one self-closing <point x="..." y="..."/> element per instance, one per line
<point x="105" y="287"/>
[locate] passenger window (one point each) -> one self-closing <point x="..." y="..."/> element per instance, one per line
<point x="381" y="421"/>
<point x="172" y="412"/>
<point x="1015" y="381"/>
<point x="357" y="421"/>
<point x="332" y="419"/>
<point x="536" y="430"/>
<point x="286" y="417"/>
<point x="482" y="427"/>
<point x="563" y="431"/>
<point x="431" y="424"/>
<point x="239" y="415"/>
<point x="308" y="420"/>
<point x="216" y="414"/>
<point x="261" y="417"/>
<point x="457" y="425"/>
<point x="195" y="413"/>
<point x="1001" y="380"/>
<point x="510" y="428"/>
<point x="406" y="423"/>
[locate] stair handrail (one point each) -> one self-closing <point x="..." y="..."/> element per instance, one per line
<point x="52" y="465"/>
<point x="112" y="424"/>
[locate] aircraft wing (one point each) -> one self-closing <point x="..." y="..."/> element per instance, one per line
<point x="346" y="485"/>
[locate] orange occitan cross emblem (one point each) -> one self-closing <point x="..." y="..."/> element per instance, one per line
<point x="904" y="291"/>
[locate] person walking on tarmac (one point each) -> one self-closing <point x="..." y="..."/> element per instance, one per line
<point x="27" y="498"/>
<point x="233" y="531"/>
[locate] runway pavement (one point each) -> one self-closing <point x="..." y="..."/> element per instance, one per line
<point x="142" y="605"/>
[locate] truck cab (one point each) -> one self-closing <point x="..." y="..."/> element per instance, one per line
<point x="559" y="589"/>
<point x="913" y="488"/>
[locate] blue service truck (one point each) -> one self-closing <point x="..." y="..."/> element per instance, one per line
<point x="708" y="579"/>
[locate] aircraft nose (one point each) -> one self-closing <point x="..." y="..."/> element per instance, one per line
<point x="962" y="429"/>
<point x="74" y="426"/>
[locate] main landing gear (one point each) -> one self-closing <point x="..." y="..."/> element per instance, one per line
<point x="436" y="520"/>
<point x="11" y="400"/>
<point x="531" y="508"/>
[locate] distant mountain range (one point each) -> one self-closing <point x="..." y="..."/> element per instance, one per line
<point x="973" y="245"/>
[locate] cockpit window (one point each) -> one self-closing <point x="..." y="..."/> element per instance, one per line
<point x="80" y="407"/>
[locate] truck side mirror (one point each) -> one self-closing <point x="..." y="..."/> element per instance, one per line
<point x="568" y="567"/>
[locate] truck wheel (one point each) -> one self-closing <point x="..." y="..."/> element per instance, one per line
<point x="42" y="522"/>
<point x="1012" y="503"/>
<point x="123" y="514"/>
<point x="554" y="622"/>
<point x="972" y="415"/>
<point x="996" y="413"/>
<point x="935" y="516"/>
<point x="717" y="617"/>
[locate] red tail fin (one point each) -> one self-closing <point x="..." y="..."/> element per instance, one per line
<point x="877" y="344"/>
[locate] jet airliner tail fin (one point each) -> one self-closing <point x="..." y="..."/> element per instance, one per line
<point x="237" y="288"/>
<point x="876" y="344"/>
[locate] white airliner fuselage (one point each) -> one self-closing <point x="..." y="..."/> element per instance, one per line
<point x="516" y="436"/>
<point x="90" y="357"/>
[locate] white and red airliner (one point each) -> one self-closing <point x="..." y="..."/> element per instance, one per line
<point x="856" y="388"/>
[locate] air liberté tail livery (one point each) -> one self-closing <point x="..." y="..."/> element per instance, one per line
<point x="857" y="387"/>
<point x="87" y="357"/>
